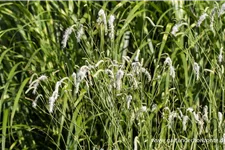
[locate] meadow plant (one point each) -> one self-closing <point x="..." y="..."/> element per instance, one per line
<point x="111" y="26"/>
<point x="168" y="62"/>
<point x="110" y="87"/>
<point x="220" y="57"/>
<point x="196" y="69"/>
<point x="201" y="19"/>
<point x="66" y="36"/>
<point x="55" y="94"/>
<point x="222" y="10"/>
<point x="34" y="84"/>
<point x="102" y="19"/>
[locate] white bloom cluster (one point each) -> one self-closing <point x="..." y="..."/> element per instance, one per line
<point x="102" y="19"/>
<point x="66" y="36"/>
<point x="82" y="73"/>
<point x="34" y="104"/>
<point x="119" y="76"/>
<point x="111" y="26"/>
<point x="220" y="118"/>
<point x="175" y="29"/>
<point x="201" y="19"/>
<point x="205" y="115"/>
<point x="168" y="62"/>
<point x="80" y="33"/>
<point x="129" y="98"/>
<point x="184" y="122"/>
<point x="137" y="67"/>
<point x="55" y="94"/>
<point x="172" y="116"/>
<point x="34" y="85"/>
<point x="220" y="57"/>
<point x="222" y="10"/>
<point x="196" y="69"/>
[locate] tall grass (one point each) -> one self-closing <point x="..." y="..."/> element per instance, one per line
<point x="74" y="78"/>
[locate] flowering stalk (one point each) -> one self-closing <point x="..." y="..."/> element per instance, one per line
<point x="66" y="36"/>
<point x="222" y="10"/>
<point x="129" y="98"/>
<point x="111" y="26"/>
<point x="80" y="33"/>
<point x="168" y="62"/>
<point x="196" y="69"/>
<point x="201" y="19"/>
<point x="119" y="77"/>
<point x="80" y="76"/>
<point x="34" y="85"/>
<point x="102" y="19"/>
<point x="184" y="122"/>
<point x="220" y="57"/>
<point x="55" y="94"/>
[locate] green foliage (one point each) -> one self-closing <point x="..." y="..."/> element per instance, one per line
<point x="111" y="86"/>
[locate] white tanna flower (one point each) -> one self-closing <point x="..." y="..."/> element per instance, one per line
<point x="196" y="69"/>
<point x="66" y="36"/>
<point x="129" y="98"/>
<point x="80" y="33"/>
<point x="119" y="77"/>
<point x="222" y="10"/>
<point x="111" y="26"/>
<point x="102" y="19"/>
<point x="201" y="19"/>
<point x="197" y="117"/>
<point x="126" y="39"/>
<point x="34" y="84"/>
<point x="220" y="117"/>
<point x="172" y="72"/>
<point x="168" y="61"/>
<point x="110" y="73"/>
<point x="184" y="122"/>
<point x="181" y="114"/>
<point x="154" y="107"/>
<point x="220" y="57"/>
<point x="205" y="116"/>
<point x="190" y="109"/>
<point x="175" y="29"/>
<point x="82" y="73"/>
<point x="34" y="103"/>
<point x="136" y="66"/>
<point x="201" y="124"/>
<point x="55" y="94"/>
<point x="136" y="59"/>
<point x="143" y="70"/>
<point x="74" y="77"/>
<point x="172" y="115"/>
<point x="143" y="109"/>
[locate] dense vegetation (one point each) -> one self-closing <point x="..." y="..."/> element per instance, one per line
<point x="112" y="75"/>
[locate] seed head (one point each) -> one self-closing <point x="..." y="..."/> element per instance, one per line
<point x="201" y="19"/>
<point x="196" y="69"/>
<point x="66" y="36"/>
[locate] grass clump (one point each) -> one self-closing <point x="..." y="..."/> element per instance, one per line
<point x="112" y="75"/>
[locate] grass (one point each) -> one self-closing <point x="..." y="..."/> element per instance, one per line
<point x="153" y="78"/>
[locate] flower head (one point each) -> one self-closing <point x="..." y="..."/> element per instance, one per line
<point x="196" y="69"/>
<point x="201" y="19"/>
<point x="102" y="19"/>
<point x="111" y="26"/>
<point x="66" y="36"/>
